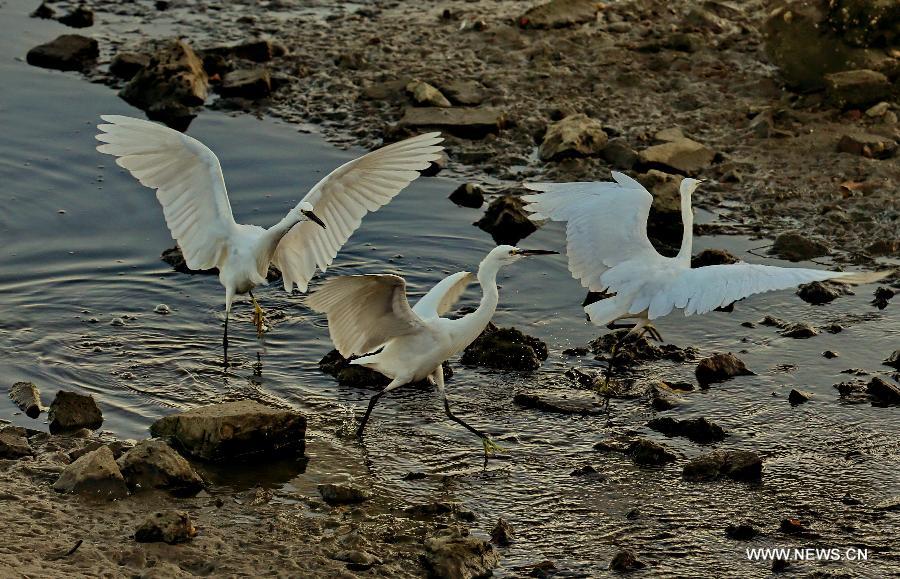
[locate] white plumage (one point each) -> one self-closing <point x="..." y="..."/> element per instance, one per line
<point x="191" y="189"/>
<point x="608" y="250"/>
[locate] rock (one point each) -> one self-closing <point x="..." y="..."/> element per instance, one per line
<point x="819" y="293"/>
<point x="713" y="257"/>
<point x="66" y="52"/>
<point x="94" y="474"/>
<point x="14" y="443"/>
<point x="576" y="404"/>
<point x="884" y="247"/>
<point x="574" y="136"/>
<point x="505" y="349"/>
<point x="502" y="533"/>
<point x="175" y="258"/>
<point x="632" y="351"/>
<point x="70" y="411"/>
<point x="661" y="398"/>
<point x="506" y="220"/>
<point x="867" y="145"/>
<point x="261" y="50"/>
<point x="559" y="14"/>
<point x="423" y="94"/>
<point x="343" y="494"/>
<point x="720" y="367"/>
<point x="619" y="154"/>
<point x="883" y="391"/>
<point x="799" y="397"/>
<point x="80" y="17"/>
<point x="152" y="464"/>
<point x="464" y="92"/>
<point x="43" y="11"/>
<point x="235" y="430"/>
<point x="162" y="309"/>
<point x="254" y="83"/>
<point x="27" y="398"/>
<point x="741" y="532"/>
<point x="800" y="331"/>
<point x="684" y="156"/>
<point x="169" y="526"/>
<point x="648" y="453"/>
<point x="878" y="110"/>
<point x="465" y="122"/>
<point x="588" y="471"/>
<point x="697" y="430"/>
<point x="393" y="90"/>
<point x="890" y="504"/>
<point x="794" y="246"/>
<point x="893" y="360"/>
<point x="127" y="64"/>
<point x="359" y="560"/>
<point x="735" y="464"/>
<point x="468" y="195"/>
<point x="625" y="561"/>
<point x="856" y="88"/>
<point x="170" y="86"/>
<point x="458" y="557"/>
<point x="830" y="354"/>
<point x="882" y="296"/>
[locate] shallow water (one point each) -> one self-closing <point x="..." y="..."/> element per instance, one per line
<point x="81" y="245"/>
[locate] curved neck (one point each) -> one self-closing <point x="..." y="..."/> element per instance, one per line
<point x="273" y="235"/>
<point x="478" y="320"/>
<point x="687" y="238"/>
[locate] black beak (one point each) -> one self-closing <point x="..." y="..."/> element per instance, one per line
<point x="527" y="252"/>
<point x="314" y="218"/>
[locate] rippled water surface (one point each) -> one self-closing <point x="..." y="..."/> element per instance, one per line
<point x="81" y="245"/>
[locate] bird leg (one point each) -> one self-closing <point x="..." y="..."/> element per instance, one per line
<point x="491" y="448"/>
<point x="365" y="418"/>
<point x="259" y="317"/>
<point x="647" y="328"/>
<point x="225" y="339"/>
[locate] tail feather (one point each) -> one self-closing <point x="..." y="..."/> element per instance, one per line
<point x="607" y="310"/>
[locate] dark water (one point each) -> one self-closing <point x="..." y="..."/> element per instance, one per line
<point x="81" y="241"/>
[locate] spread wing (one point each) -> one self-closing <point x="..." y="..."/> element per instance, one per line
<point x="188" y="182"/>
<point x="704" y="289"/>
<point x="364" y="311"/>
<point x="606" y="223"/>
<point x="441" y="298"/>
<point x="343" y="198"/>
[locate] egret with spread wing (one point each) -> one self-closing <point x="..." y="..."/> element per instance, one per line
<point x="609" y="251"/>
<point x="370" y="313"/>
<point x="189" y="184"/>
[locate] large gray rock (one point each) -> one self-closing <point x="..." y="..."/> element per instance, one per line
<point x="458" y="557"/>
<point x="70" y="411"/>
<point x="559" y="14"/>
<point x="27" y="398"/>
<point x="244" y="429"/>
<point x="94" y="474"/>
<point x="466" y="122"/>
<point x="170" y="86"/>
<point x="573" y="136"/>
<point x="66" y="52"/>
<point x="14" y="443"/>
<point x="169" y="526"/>
<point x="153" y="464"/>
<point x="685" y="156"/>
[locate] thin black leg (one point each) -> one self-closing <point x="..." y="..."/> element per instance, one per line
<point x="365" y="418"/>
<point x="225" y="339"/>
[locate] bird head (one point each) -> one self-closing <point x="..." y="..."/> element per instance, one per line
<point x="688" y="185"/>
<point x="507" y="254"/>
<point x="306" y="209"/>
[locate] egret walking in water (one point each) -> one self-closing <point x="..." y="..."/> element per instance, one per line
<point x="190" y="186"/>
<point x="369" y="314"/>
<point x="609" y="251"/>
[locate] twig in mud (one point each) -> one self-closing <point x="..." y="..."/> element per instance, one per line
<point x="74" y="548"/>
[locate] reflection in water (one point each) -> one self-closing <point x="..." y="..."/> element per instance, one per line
<point x="80" y="278"/>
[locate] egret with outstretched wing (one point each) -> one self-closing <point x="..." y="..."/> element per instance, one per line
<point x="369" y="316"/>
<point x="190" y="187"/>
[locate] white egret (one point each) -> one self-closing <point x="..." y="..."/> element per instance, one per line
<point x="190" y="186"/>
<point x="609" y="251"/>
<point x="370" y="313"/>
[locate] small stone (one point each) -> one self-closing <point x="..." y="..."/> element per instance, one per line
<point x="27" y="398"/>
<point x="794" y="246"/>
<point x="66" y="52"/>
<point x="468" y="195"/>
<point x="464" y="92"/>
<point x="625" y="561"/>
<point x="152" y="464"/>
<point x="505" y="349"/>
<point x="735" y="464"/>
<point x="818" y="292"/>
<point x="713" y="257"/>
<point x="506" y="220"/>
<point x="800" y="331"/>
<point x="648" y="453"/>
<point x="619" y="154"/>
<point x="883" y="391"/>
<point x="94" y="474"/>
<point x="460" y="557"/>
<point x="573" y="404"/>
<point x="882" y="296"/>
<point x="867" y="145"/>
<point x="720" y="367"/>
<point x="559" y="14"/>
<point x="573" y="136"/>
<point x="127" y="64"/>
<point x="586" y="471"/>
<point x="117" y="322"/>
<point x="799" y="397"/>
<point x="168" y="526"/>
<point x="43" y="11"/>
<point x="830" y="354"/>
<point x="502" y="533"/>
<point x="792" y="527"/>
<point x="162" y="309"/>
<point x="70" y="411"/>
<point x="262" y="50"/>
<point x="893" y="360"/>
<point x="253" y="84"/>
<point x="856" y="88"/>
<point x="14" y="444"/>
<point x="848" y="499"/>
<point x="425" y="95"/>
<point x="465" y="122"/>
<point x="741" y="532"/>
<point x="80" y="17"/>
<point x="683" y="156"/>
<point x="878" y="110"/>
<point x="343" y="494"/>
<point x="698" y="430"/>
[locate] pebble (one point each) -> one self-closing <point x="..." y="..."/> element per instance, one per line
<point x="162" y="309"/>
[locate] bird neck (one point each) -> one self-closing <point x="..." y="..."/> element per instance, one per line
<point x="490" y="296"/>
<point x="687" y="219"/>
<point x="273" y="235"/>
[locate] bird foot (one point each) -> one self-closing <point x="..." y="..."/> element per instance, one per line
<point x="491" y="448"/>
<point x="259" y="320"/>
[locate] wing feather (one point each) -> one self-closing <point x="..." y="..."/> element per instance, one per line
<point x="187" y="178"/>
<point x="442" y="297"/>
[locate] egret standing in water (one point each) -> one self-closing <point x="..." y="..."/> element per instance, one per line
<point x="190" y="186"/>
<point x="609" y="251"/>
<point x="370" y="313"/>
